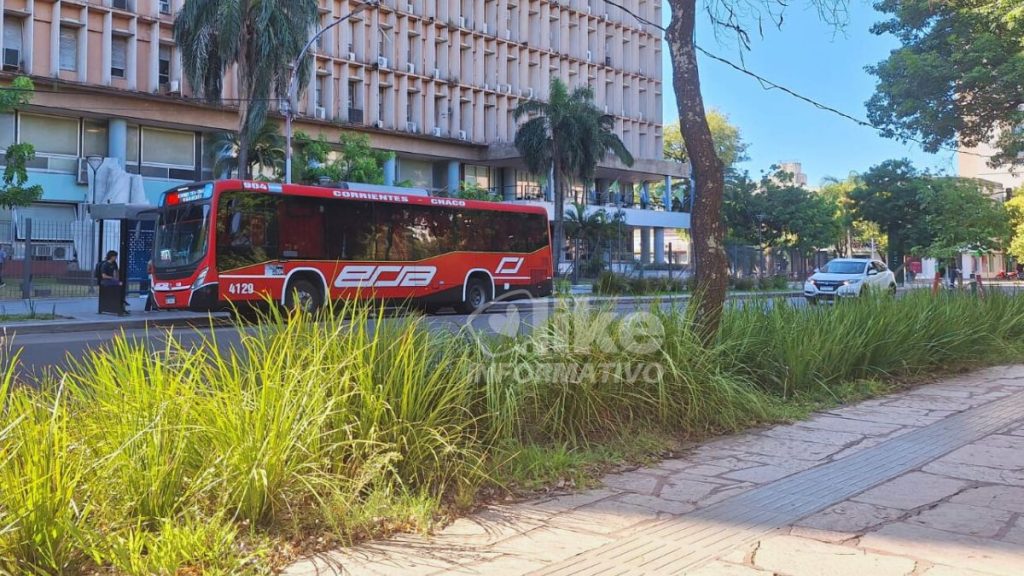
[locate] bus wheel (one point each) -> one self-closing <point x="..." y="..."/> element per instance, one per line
<point x="477" y="295"/>
<point x="303" y="295"/>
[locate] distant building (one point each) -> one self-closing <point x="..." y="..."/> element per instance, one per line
<point x="796" y="169"/>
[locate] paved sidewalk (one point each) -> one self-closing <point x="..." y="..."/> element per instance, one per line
<point x="926" y="482"/>
<point x="80" y="314"/>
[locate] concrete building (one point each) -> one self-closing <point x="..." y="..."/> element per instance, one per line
<point x="435" y="81"/>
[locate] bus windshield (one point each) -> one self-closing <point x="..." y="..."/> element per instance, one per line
<point x="182" y="235"/>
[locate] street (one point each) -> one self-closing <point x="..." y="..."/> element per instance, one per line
<point x="40" y="352"/>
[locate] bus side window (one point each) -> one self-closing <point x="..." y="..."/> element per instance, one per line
<point x="350" y="231"/>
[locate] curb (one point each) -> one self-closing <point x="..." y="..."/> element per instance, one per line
<point x="58" y="326"/>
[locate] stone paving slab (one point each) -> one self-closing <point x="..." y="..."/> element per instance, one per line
<point x="948" y="500"/>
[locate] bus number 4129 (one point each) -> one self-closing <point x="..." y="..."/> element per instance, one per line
<point x="241" y="289"/>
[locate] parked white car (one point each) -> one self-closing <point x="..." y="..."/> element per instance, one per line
<point x="849" y="278"/>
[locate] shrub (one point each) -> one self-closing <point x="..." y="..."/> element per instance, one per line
<point x="611" y="284"/>
<point x="744" y="284"/>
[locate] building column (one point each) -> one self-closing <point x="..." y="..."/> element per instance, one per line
<point x="390" y="168"/>
<point x="645" y="195"/>
<point x="659" y="245"/>
<point x="667" y="199"/>
<point x="453" y="178"/>
<point x="117" y="141"/>
<point x="602" y="190"/>
<point x="645" y="245"/>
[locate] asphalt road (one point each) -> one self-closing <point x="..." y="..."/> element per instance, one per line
<point x="38" y="353"/>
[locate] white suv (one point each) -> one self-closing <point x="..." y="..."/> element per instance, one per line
<point x="849" y="278"/>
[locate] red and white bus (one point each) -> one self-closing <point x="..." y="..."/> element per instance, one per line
<point x="234" y="241"/>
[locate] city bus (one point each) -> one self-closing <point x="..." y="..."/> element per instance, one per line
<point x="231" y="242"/>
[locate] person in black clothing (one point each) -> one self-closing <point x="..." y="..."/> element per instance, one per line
<point x="108" y="271"/>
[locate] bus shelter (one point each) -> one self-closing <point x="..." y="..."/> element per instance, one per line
<point x="136" y="224"/>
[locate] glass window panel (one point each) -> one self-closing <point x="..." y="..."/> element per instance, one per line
<point x="165" y="64"/>
<point x="50" y="134"/>
<point x="118" y="56"/>
<point x="133" y="145"/>
<point x="12" y="32"/>
<point x="168" y="147"/>
<point x="68" y="48"/>
<point x="95" y="139"/>
<point x="6" y="130"/>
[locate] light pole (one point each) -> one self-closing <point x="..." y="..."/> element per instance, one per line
<point x="293" y="87"/>
<point x="94" y="163"/>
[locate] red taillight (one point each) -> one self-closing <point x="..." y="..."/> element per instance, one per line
<point x="172" y="199"/>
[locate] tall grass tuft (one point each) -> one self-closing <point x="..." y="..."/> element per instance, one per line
<point x="148" y="458"/>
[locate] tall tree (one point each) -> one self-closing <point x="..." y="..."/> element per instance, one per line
<point x="854" y="233"/>
<point x="708" y="169"/>
<point x="891" y="196"/>
<point x="726" y="135"/>
<point x="351" y="160"/>
<point x="568" y="136"/>
<point x="13" y="191"/>
<point x="260" y="37"/>
<point x="266" y="151"/>
<point x="1015" y="213"/>
<point x="956" y="79"/>
<point x="964" y="216"/>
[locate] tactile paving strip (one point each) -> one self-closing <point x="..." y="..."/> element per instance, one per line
<point x="676" y="545"/>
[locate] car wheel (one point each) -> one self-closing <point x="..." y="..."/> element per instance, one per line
<point x="477" y="295"/>
<point x="303" y="296"/>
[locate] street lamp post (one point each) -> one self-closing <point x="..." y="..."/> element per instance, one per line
<point x="290" y="103"/>
<point x="94" y="163"/>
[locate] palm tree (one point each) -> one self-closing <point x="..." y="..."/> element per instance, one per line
<point x="260" y="37"/>
<point x="266" y="151"/>
<point x="568" y="136"/>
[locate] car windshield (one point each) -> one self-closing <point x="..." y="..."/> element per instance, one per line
<point x="841" y="267"/>
<point x="182" y="235"/>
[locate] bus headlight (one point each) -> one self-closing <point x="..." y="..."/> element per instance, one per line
<point x="200" y="280"/>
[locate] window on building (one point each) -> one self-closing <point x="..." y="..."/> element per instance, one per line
<point x="6" y="131"/>
<point x="133" y="146"/>
<point x="94" y="138"/>
<point x="321" y="82"/>
<point x="13" y="41"/>
<point x="165" y="6"/>
<point x="382" y="97"/>
<point x="168" y="148"/>
<point x="479" y="175"/>
<point x="51" y="135"/>
<point x="69" y="48"/>
<point x="118" y="56"/>
<point x="164" y="65"/>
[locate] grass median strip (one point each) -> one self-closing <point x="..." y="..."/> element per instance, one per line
<point x="322" y="432"/>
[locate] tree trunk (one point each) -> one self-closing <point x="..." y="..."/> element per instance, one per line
<point x="709" y="254"/>
<point x="244" y="93"/>
<point x="559" y="222"/>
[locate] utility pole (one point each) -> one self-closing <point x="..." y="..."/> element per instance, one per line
<point x="289" y="105"/>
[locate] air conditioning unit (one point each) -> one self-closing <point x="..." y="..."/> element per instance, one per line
<point x="463" y="135"/>
<point x="528" y="93"/>
<point x="410" y="9"/>
<point x="606" y="109"/>
<point x="487" y="86"/>
<point x="83" y="171"/>
<point x="320" y="112"/>
<point x="412" y="128"/>
<point x="382" y="62"/>
<point x="352" y="56"/>
<point x="462" y="21"/>
<point x="436" y="131"/>
<point x="62" y="252"/>
<point x="437" y="74"/>
<point x="485" y="27"/>
<point x="508" y="88"/>
<point x="379" y="124"/>
<point x="605" y="17"/>
<point x="590" y="56"/>
<point x="175" y="87"/>
<point x="12" y="59"/>
<point x="410" y="67"/>
<point x="508" y="34"/>
<point x="42" y="251"/>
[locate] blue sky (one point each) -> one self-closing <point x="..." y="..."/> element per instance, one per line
<point x="812" y="59"/>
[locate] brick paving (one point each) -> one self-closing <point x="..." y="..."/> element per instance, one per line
<point x="925" y="482"/>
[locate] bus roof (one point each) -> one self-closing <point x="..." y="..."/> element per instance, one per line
<point x="374" y="195"/>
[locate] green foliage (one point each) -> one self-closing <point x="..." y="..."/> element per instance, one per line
<point x="474" y="191"/>
<point x="14" y="192"/>
<point x="728" y="140"/>
<point x="266" y="152"/>
<point x="955" y="81"/>
<point x="963" y="217"/>
<point x="204" y="459"/>
<point x="612" y="284"/>
<point x="778" y="213"/>
<point x="855" y="235"/>
<point x="351" y="160"/>
<point x="1015" y="213"/>
<point x="261" y="38"/>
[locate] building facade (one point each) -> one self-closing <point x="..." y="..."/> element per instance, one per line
<point x="434" y="81"/>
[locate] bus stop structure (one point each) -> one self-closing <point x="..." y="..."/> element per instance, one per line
<point x="136" y="224"/>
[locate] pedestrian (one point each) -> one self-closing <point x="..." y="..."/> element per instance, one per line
<point x="150" y="300"/>
<point x="108" y="270"/>
<point x="3" y="259"/>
